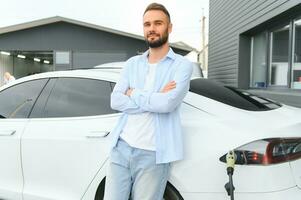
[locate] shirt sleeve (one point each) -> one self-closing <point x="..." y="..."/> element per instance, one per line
<point x="120" y="101"/>
<point x="166" y="102"/>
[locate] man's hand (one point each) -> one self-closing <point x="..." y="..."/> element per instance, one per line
<point x="129" y="92"/>
<point x="169" y="86"/>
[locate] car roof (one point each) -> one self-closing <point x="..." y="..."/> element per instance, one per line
<point x="112" y="65"/>
<point x="103" y="74"/>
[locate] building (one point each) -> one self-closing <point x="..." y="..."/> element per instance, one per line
<point x="256" y="45"/>
<point x="59" y="43"/>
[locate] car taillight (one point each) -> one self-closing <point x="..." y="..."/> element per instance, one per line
<point x="267" y="151"/>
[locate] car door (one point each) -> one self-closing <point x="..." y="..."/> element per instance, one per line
<point x="67" y="140"/>
<point x="15" y="105"/>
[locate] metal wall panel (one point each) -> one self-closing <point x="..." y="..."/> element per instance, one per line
<point x="90" y="59"/>
<point x="67" y="36"/>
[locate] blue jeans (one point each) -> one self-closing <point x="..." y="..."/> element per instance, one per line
<point x="134" y="172"/>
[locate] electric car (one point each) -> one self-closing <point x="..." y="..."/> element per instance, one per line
<point x="55" y="137"/>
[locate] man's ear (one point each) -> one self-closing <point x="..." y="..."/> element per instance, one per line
<point x="170" y="28"/>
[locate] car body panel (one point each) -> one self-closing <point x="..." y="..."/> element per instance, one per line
<point x="11" y="179"/>
<point x="205" y="153"/>
<point x="61" y="161"/>
<point x="296" y="169"/>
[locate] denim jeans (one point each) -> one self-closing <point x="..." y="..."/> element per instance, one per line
<point x="134" y="172"/>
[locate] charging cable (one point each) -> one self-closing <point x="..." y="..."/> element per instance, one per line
<point x="230" y="158"/>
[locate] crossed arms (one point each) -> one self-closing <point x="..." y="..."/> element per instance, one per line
<point x="134" y="100"/>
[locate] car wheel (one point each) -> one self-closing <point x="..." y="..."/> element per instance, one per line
<point x="171" y="193"/>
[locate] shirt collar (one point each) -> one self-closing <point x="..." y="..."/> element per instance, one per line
<point x="171" y="54"/>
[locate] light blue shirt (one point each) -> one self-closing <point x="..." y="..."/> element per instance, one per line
<point x="166" y="106"/>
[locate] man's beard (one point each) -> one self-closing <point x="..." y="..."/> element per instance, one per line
<point x="159" y="42"/>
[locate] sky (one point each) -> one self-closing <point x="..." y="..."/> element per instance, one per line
<point x="123" y="15"/>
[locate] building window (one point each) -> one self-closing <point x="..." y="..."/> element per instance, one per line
<point x="62" y="57"/>
<point x="296" y="66"/>
<point x="276" y="57"/>
<point x="258" y="60"/>
<point x="279" y="63"/>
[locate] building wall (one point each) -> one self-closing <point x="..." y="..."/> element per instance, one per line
<point x="229" y="44"/>
<point x="94" y="58"/>
<point x="66" y="36"/>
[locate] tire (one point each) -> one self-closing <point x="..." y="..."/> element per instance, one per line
<point x="171" y="193"/>
<point x="100" y="193"/>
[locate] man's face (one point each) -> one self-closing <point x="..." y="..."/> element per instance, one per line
<point x="156" y="27"/>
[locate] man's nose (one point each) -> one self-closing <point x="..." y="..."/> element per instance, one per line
<point x="152" y="27"/>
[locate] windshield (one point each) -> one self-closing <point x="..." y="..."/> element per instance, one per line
<point x="231" y="96"/>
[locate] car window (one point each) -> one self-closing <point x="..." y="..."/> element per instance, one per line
<point x="17" y="101"/>
<point x="231" y="96"/>
<point x="74" y="97"/>
<point x="112" y="86"/>
<point x="39" y="106"/>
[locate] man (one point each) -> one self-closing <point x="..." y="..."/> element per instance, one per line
<point x="148" y="135"/>
<point x="8" y="77"/>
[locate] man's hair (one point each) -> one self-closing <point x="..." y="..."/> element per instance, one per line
<point x="157" y="6"/>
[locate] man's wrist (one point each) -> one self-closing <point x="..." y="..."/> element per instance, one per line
<point x="129" y="92"/>
<point x="134" y="93"/>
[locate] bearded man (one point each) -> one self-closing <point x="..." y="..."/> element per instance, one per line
<point x="148" y="136"/>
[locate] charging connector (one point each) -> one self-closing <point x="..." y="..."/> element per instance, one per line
<point x="231" y="157"/>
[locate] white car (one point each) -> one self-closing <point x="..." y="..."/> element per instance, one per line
<point x="55" y="136"/>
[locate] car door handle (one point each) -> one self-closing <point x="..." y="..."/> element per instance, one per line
<point x="7" y="133"/>
<point x="97" y="134"/>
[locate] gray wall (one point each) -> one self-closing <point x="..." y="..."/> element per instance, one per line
<point x="230" y="26"/>
<point x="66" y="36"/>
<point x="80" y="58"/>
